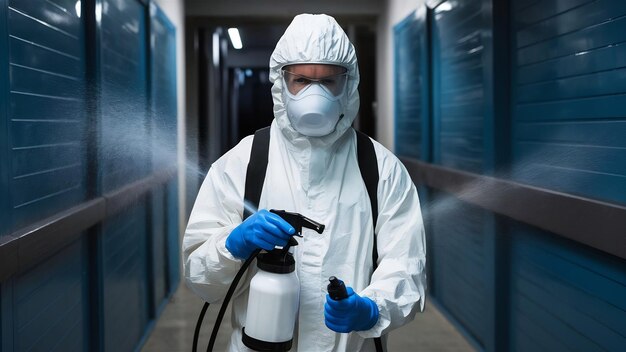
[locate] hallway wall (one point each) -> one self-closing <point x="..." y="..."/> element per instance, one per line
<point x="510" y="117"/>
<point x="89" y="225"/>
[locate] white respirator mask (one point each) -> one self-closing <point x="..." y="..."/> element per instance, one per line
<point x="316" y="107"/>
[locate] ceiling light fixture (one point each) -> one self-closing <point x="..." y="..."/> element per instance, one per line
<point x="235" y="39"/>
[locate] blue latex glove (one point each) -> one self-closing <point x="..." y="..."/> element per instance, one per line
<point x="262" y="229"/>
<point x="354" y="313"/>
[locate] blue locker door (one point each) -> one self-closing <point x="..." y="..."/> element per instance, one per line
<point x="6" y="316"/>
<point x="159" y="246"/>
<point x="125" y="157"/>
<point x="569" y="96"/>
<point x="125" y="273"/>
<point x="123" y="75"/>
<point x="164" y="127"/>
<point x="46" y="111"/>
<point x="43" y="168"/>
<point x="173" y="237"/>
<point x="51" y="304"/>
<point x="569" y="127"/>
<point x="163" y="89"/>
<point x="458" y="110"/>
<point x="461" y="260"/>
<point x="5" y="168"/>
<point x="412" y="87"/>
<point x="462" y="234"/>
<point x="564" y="297"/>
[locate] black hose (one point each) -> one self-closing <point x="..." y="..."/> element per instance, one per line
<point x="379" y="344"/>
<point x="196" y="333"/>
<point x="220" y="315"/>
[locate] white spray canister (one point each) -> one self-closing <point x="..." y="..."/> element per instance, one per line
<point x="273" y="303"/>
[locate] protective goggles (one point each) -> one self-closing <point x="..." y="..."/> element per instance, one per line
<point x="335" y="84"/>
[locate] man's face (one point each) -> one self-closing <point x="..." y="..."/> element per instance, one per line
<point x="299" y="76"/>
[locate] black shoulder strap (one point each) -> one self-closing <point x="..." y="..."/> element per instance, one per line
<point x="257" y="167"/>
<point x="368" y="164"/>
<point x="369" y="171"/>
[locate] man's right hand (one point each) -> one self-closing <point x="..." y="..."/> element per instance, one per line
<point x="262" y="229"/>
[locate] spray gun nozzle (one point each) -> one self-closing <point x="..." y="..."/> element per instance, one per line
<point x="336" y="289"/>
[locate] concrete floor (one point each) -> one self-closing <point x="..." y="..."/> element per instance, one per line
<point x="430" y="331"/>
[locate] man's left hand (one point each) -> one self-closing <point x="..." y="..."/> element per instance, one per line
<point x="354" y="313"/>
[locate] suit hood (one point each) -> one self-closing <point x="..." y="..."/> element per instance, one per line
<point x="314" y="39"/>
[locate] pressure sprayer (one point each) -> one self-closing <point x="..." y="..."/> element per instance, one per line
<point x="274" y="295"/>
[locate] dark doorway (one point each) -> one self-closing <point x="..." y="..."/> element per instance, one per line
<point x="364" y="40"/>
<point x="251" y="102"/>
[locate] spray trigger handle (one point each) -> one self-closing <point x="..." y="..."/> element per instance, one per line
<point x="298" y="221"/>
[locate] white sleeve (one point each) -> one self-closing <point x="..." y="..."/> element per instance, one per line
<point x="209" y="266"/>
<point x="399" y="282"/>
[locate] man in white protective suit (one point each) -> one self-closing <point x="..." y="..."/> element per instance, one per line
<point x="313" y="170"/>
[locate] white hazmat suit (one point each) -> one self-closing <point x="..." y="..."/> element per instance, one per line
<point x="318" y="177"/>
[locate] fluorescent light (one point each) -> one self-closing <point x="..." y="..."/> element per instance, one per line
<point x="216" y="48"/>
<point x="235" y="39"/>
<point x="77" y="8"/>
<point x="99" y="10"/>
<point x="446" y="6"/>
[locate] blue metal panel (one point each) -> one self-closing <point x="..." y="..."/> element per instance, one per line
<point x="459" y="101"/>
<point x="521" y="5"/>
<point x="159" y="244"/>
<point x="51" y="303"/>
<point x="125" y="273"/>
<point x="412" y="86"/>
<point x="6" y="315"/>
<point x="46" y="112"/>
<point x="173" y="239"/>
<point x="164" y="128"/>
<point x="599" y="83"/>
<point x="124" y="136"/>
<point x="599" y="60"/>
<point x="564" y="296"/>
<point x="460" y="260"/>
<point x="5" y="167"/>
<point x="534" y="10"/>
<point x="163" y="89"/>
<point x="163" y="113"/>
<point x="555" y="18"/>
<point x="463" y="248"/>
<point x="569" y="100"/>
<point x="582" y="40"/>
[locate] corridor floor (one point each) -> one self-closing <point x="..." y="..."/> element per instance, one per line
<point x="430" y="331"/>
